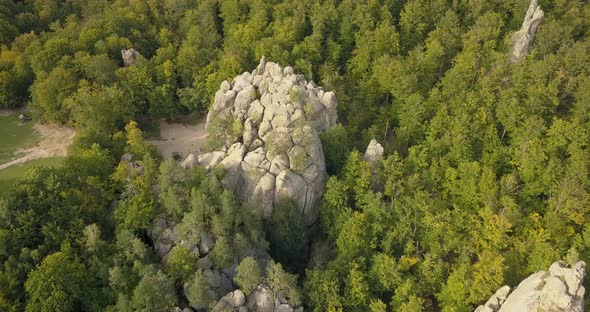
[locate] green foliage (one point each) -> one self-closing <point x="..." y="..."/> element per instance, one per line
<point x="198" y="291"/>
<point x="287" y="237"/>
<point x="323" y="290"/>
<point x="334" y="210"/>
<point x="336" y="145"/>
<point x="49" y="92"/>
<point x="283" y="283"/>
<point x="221" y="130"/>
<point x="181" y="262"/>
<point x="294" y="95"/>
<point x="56" y="285"/>
<point x="223" y="252"/>
<point x="154" y="292"/>
<point x="248" y="275"/>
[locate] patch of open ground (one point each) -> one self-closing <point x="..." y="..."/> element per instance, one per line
<point x="8" y="112"/>
<point x="10" y="175"/>
<point x="14" y="136"/>
<point x="53" y="142"/>
<point x="180" y="138"/>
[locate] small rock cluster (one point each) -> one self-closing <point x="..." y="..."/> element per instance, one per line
<point x="559" y="289"/>
<point x="262" y="299"/>
<point x="166" y="235"/>
<point x="523" y="39"/>
<point x="266" y="126"/>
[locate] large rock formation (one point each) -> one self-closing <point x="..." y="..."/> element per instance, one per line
<point x="559" y="289"/>
<point x="523" y="39"/>
<point x="264" y="128"/>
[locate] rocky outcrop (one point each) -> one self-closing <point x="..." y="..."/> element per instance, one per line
<point x="523" y="39"/>
<point x="129" y="56"/>
<point x="166" y="235"/>
<point x="266" y="126"/>
<point x="374" y="152"/>
<point x="262" y="299"/>
<point x="559" y="289"/>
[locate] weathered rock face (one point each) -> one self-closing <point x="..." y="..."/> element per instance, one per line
<point x="266" y="126"/>
<point x="374" y="152"/>
<point x="262" y="299"/>
<point x="559" y="289"/>
<point x="129" y="56"/>
<point x="523" y="39"/>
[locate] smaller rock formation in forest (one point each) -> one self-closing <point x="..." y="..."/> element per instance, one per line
<point x="129" y="56"/>
<point x="374" y="152"/>
<point x="523" y="39"/>
<point x="264" y="130"/>
<point x="559" y="289"/>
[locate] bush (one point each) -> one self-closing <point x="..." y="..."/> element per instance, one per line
<point x="287" y="238"/>
<point x="335" y="142"/>
<point x="248" y="275"/>
<point x="197" y="291"/>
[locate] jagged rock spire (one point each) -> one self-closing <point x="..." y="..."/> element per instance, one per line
<point x="523" y="39"/>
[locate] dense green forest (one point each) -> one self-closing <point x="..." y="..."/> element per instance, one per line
<point x="485" y="180"/>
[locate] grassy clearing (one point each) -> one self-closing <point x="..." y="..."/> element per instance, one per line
<point x="15" y="136"/>
<point x="9" y="175"/>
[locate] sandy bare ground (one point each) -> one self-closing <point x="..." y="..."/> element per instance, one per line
<point x="53" y="142"/>
<point x="180" y="138"/>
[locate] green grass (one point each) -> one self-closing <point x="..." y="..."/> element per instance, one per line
<point x="10" y="175"/>
<point x="15" y="136"/>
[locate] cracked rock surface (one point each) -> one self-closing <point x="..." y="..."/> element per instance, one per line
<point x="558" y="289"/>
<point x="264" y="127"/>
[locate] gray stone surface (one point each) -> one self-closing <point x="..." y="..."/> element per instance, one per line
<point x="374" y="152"/>
<point x="278" y="155"/>
<point x="206" y="243"/>
<point x="129" y="56"/>
<point x="262" y="299"/>
<point x="189" y="162"/>
<point x="523" y="39"/>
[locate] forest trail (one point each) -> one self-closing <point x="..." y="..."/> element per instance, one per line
<point x="180" y="138"/>
<point x="53" y="142"/>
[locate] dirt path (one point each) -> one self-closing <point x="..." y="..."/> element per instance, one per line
<point x="180" y="138"/>
<point x="53" y="142"/>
